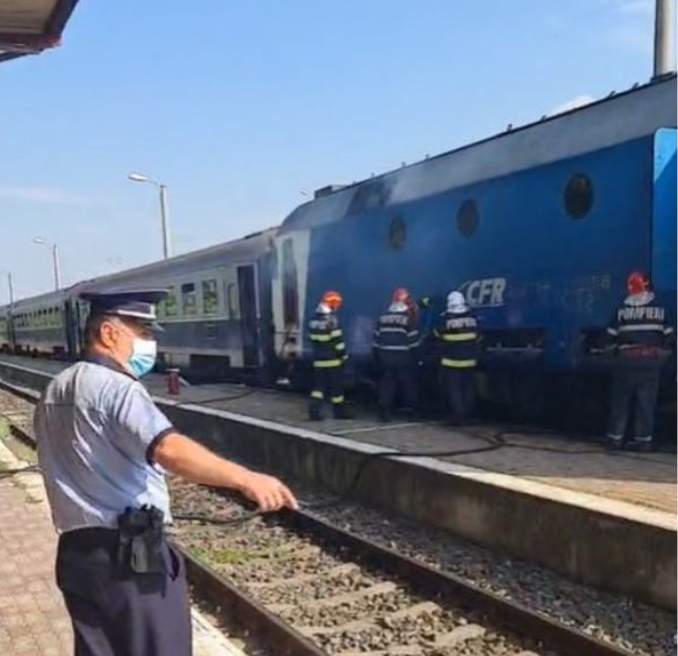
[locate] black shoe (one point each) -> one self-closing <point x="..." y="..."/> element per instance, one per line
<point x="614" y="444"/>
<point x="640" y="446"/>
<point x="340" y="412"/>
<point x="314" y="414"/>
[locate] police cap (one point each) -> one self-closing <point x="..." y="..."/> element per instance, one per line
<point x="136" y="304"/>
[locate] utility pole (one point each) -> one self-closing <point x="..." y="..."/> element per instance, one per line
<point x="664" y="37"/>
<point x="57" y="272"/>
<point x="166" y="244"/>
<point x="10" y="285"/>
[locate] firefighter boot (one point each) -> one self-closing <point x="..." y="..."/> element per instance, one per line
<point x="341" y="412"/>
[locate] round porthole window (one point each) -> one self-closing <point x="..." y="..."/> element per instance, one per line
<point x="578" y="196"/>
<point x="397" y="234"/>
<point x="467" y="218"/>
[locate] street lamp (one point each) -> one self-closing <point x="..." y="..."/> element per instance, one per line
<point x="55" y="259"/>
<point x="166" y="244"/>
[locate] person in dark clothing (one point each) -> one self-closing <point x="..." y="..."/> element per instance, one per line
<point x="640" y="332"/>
<point x="459" y="340"/>
<point x="329" y="355"/>
<point x="396" y="341"/>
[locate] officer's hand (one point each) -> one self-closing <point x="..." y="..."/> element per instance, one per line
<point x="267" y="492"/>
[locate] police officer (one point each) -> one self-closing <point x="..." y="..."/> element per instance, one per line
<point x="396" y="340"/>
<point x="103" y="447"/>
<point x="640" y="332"/>
<point x="329" y="355"/>
<point x="459" y="342"/>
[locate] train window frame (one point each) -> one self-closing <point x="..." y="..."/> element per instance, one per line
<point x="170" y="309"/>
<point x="576" y="206"/>
<point x="396" y="227"/>
<point x="468" y="218"/>
<point x="189" y="292"/>
<point x="213" y="309"/>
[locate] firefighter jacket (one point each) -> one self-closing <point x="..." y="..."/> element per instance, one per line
<point x="327" y="339"/>
<point x="459" y="340"/>
<point x="396" y="337"/>
<point x="640" y="327"/>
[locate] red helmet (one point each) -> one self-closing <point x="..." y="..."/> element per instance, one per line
<point x="637" y="282"/>
<point x="401" y="295"/>
<point x="332" y="299"/>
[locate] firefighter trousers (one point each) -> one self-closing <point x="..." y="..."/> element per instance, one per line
<point x="327" y="386"/>
<point x="397" y="379"/>
<point x="460" y="392"/>
<point x="633" y="387"/>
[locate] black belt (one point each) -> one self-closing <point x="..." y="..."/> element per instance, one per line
<point x="136" y="546"/>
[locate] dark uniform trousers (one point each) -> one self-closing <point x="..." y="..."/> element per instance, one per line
<point x="634" y="386"/>
<point x="394" y="377"/>
<point x="327" y="384"/>
<point x="460" y="392"/>
<point x="117" y="614"/>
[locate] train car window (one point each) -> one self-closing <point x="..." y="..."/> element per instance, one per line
<point x="397" y="234"/>
<point x="189" y="300"/>
<point x="467" y="218"/>
<point x="210" y="297"/>
<point x="578" y="196"/>
<point x="169" y="305"/>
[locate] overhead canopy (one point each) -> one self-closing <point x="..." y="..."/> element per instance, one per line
<point x="31" y="26"/>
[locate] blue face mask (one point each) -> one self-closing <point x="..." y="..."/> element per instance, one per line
<point x="144" y="353"/>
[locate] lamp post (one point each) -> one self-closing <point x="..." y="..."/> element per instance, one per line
<point x="55" y="260"/>
<point x="164" y="218"/>
<point x="10" y="285"/>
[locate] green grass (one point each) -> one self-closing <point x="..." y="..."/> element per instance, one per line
<point x="223" y="556"/>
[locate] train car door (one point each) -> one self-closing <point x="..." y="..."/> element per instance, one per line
<point x="248" y="315"/>
<point x="70" y="327"/>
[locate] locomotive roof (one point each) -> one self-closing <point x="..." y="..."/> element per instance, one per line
<point x="638" y="112"/>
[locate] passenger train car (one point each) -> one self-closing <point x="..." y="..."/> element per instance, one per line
<point x="539" y="226"/>
<point x="217" y="317"/>
<point x="40" y="324"/>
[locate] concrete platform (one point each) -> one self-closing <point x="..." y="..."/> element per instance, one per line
<point x="33" y="618"/>
<point x="607" y="519"/>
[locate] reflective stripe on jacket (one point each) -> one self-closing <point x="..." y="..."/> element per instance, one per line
<point x="327" y="339"/>
<point x="459" y="340"/>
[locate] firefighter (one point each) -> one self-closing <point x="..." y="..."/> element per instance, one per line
<point x="459" y="340"/>
<point x="396" y="342"/>
<point x="640" y="334"/>
<point x="329" y="355"/>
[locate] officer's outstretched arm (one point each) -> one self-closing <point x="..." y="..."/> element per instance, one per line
<point x="185" y="457"/>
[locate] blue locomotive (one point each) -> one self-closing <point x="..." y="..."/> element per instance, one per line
<point x="538" y="226"/>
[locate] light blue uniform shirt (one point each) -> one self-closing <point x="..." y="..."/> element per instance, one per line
<point x="95" y="426"/>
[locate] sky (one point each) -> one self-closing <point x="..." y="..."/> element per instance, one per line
<point x="243" y="108"/>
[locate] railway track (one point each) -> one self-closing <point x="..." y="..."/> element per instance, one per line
<point x="306" y="587"/>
